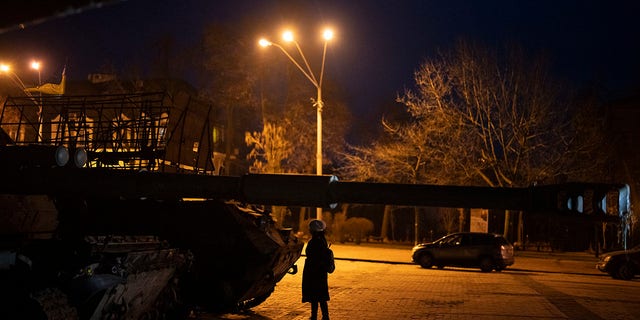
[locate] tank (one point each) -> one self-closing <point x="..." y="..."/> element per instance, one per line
<point x="94" y="227"/>
<point x="125" y="255"/>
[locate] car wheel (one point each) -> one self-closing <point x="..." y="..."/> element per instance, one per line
<point x="500" y="268"/>
<point x="625" y="271"/>
<point x="426" y="261"/>
<point x="614" y="273"/>
<point x="441" y="266"/>
<point x="486" y="264"/>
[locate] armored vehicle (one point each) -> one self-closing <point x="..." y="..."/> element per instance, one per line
<point x="95" y="224"/>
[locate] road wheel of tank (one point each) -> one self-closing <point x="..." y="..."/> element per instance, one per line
<point x="625" y="271"/>
<point x="425" y="261"/>
<point x="486" y="264"/>
<point x="55" y="304"/>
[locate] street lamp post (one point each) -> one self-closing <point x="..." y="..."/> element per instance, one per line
<point x="35" y="65"/>
<point x="317" y="82"/>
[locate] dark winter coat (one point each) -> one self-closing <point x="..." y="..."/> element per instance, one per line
<point x="314" y="275"/>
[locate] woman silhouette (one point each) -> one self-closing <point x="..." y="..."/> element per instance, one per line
<point x="315" y="288"/>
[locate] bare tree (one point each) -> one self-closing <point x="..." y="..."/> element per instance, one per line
<point x="449" y="217"/>
<point x="287" y="97"/>
<point x="270" y="148"/>
<point x="501" y="119"/>
<point x="478" y="117"/>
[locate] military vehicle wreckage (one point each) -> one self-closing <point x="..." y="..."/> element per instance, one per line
<point x="100" y="220"/>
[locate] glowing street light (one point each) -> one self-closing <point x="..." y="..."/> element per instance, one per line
<point x="36" y="65"/>
<point x="6" y="69"/>
<point x="287" y="36"/>
<point x="327" y="34"/>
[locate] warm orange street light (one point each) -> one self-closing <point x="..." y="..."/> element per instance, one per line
<point x="35" y="65"/>
<point x="5" y="68"/>
<point x="327" y="34"/>
<point x="287" y="36"/>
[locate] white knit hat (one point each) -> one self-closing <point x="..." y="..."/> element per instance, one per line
<point x="316" y="225"/>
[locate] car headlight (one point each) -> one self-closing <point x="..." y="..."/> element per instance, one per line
<point x="606" y="259"/>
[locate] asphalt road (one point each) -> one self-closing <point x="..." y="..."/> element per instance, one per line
<point x="378" y="282"/>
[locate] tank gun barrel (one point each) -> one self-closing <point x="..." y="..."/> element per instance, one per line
<point x="298" y="190"/>
<point x="327" y="191"/>
<point x="431" y="195"/>
<point x="266" y="189"/>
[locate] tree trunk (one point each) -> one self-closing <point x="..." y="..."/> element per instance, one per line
<point x="507" y="217"/>
<point x="520" y="228"/>
<point x="384" y="230"/>
<point x="393" y="225"/>
<point x="416" y="217"/>
<point x="465" y="220"/>
<point x="303" y="214"/>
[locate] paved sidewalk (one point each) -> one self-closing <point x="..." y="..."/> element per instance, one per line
<point x="380" y="282"/>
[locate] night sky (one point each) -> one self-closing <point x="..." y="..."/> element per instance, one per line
<point x="378" y="43"/>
